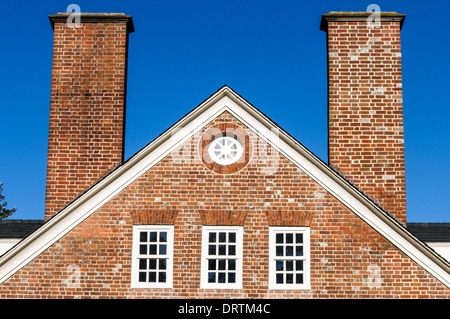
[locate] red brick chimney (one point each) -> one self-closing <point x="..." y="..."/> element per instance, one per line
<point x="87" y="105"/>
<point x="365" y="108"/>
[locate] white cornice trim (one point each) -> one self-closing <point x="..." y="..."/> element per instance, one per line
<point x="223" y="100"/>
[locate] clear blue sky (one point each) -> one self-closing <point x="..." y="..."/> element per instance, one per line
<point x="270" y="52"/>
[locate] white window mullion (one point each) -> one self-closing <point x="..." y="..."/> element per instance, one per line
<point x="289" y="258"/>
<point x="152" y="263"/>
<point x="225" y="150"/>
<point x="221" y="257"/>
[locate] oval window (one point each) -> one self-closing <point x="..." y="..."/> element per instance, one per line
<point x="225" y="150"/>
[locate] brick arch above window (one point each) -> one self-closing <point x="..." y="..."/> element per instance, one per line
<point x="154" y="217"/>
<point x="226" y="129"/>
<point x="289" y="218"/>
<point x="222" y="217"/>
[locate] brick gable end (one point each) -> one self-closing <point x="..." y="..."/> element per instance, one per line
<point x="348" y="258"/>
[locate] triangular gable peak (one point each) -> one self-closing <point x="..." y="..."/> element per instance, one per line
<point x="224" y="100"/>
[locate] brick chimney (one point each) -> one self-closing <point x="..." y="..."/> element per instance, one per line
<point x="365" y="108"/>
<point x="87" y="104"/>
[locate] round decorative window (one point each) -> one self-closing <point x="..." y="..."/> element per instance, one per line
<point x="225" y="150"/>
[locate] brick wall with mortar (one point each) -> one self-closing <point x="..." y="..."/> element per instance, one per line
<point x="87" y="104"/>
<point x="348" y="258"/>
<point x="365" y="107"/>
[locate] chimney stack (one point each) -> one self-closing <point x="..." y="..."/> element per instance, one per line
<point x="87" y="105"/>
<point x="365" y="107"/>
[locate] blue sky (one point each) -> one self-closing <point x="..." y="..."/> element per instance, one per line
<point x="270" y="52"/>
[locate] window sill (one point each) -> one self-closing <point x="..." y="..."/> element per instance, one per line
<point x="152" y="286"/>
<point x="221" y="286"/>
<point x="290" y="287"/>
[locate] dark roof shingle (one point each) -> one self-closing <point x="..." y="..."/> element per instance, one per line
<point x="430" y="232"/>
<point x="19" y="228"/>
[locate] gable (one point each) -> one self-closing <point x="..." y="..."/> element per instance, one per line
<point x="322" y="182"/>
<point x="182" y="181"/>
<point x="182" y="192"/>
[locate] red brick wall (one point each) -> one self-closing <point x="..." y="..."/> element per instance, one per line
<point x="348" y="258"/>
<point x="366" y="143"/>
<point x="87" y="108"/>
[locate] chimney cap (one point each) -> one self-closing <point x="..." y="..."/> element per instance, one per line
<point x="359" y="16"/>
<point x="93" y="17"/>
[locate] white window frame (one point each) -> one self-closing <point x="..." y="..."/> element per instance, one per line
<point x="206" y="230"/>
<point x="305" y="258"/>
<point x="136" y="256"/>
<point x="224" y="150"/>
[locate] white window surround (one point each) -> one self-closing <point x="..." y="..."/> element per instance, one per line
<point x="156" y="257"/>
<point x="221" y="263"/>
<point x="225" y="150"/>
<point x="289" y="266"/>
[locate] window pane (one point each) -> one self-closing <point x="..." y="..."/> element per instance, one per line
<point x="231" y="250"/>
<point x="152" y="276"/>
<point x="153" y="236"/>
<point x="299" y="265"/>
<point x="298" y="250"/>
<point x="211" y="277"/>
<point x="222" y="250"/>
<point x="142" y="264"/>
<point x="279" y="251"/>
<point x="299" y="238"/>
<point x="143" y="249"/>
<point x="231" y="264"/>
<point x="279" y="265"/>
<point x="299" y="278"/>
<point x="152" y="264"/>
<point x="211" y="249"/>
<point x="279" y="239"/>
<point x="289" y="278"/>
<point x="231" y="277"/>
<point x="221" y="277"/>
<point x="289" y="238"/>
<point x="142" y="277"/>
<point x="232" y="237"/>
<point x="289" y="265"/>
<point x="143" y="237"/>
<point x="162" y="263"/>
<point x="222" y="237"/>
<point x="152" y="250"/>
<point x="212" y="264"/>
<point x="212" y="237"/>
<point x="289" y="251"/>
<point x="279" y="278"/>
<point x="162" y="249"/>
<point x="162" y="276"/>
<point x="222" y="264"/>
<point x="163" y="237"/>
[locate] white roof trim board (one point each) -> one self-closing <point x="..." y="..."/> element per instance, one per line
<point x="225" y="99"/>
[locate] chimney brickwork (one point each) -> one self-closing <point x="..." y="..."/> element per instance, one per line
<point x="365" y="107"/>
<point x="87" y="105"/>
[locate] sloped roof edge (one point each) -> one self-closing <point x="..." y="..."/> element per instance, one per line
<point x="224" y="99"/>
